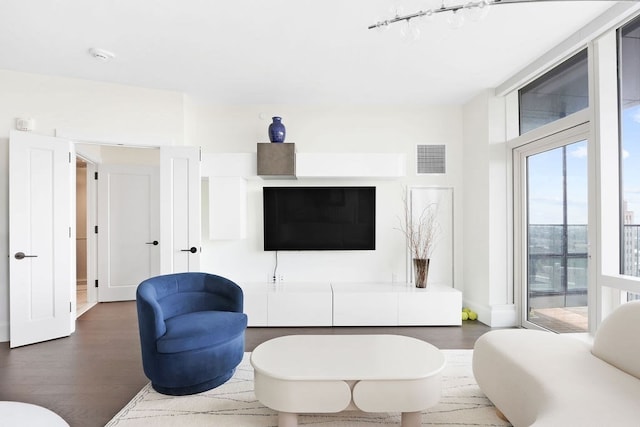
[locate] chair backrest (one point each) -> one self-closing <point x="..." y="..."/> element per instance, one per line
<point x="182" y="293"/>
<point x="163" y="297"/>
<point x="617" y="341"/>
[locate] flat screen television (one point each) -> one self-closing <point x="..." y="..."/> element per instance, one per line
<point x="319" y="218"/>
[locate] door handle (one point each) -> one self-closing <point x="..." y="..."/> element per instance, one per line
<point x="154" y="243"/>
<point x="21" y="255"/>
<point x="193" y="250"/>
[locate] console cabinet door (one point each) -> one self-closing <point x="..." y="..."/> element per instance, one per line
<point x="302" y="308"/>
<point x="365" y="308"/>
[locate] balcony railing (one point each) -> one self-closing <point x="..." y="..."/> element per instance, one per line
<point x="631" y="250"/>
<point x="558" y="259"/>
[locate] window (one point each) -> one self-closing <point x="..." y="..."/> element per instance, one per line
<point x="598" y="263"/>
<point x="558" y="93"/>
<point x="632" y="297"/>
<point x="553" y="178"/>
<point x="629" y="152"/>
<point x="557" y="230"/>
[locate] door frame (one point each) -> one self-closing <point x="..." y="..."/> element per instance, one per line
<point x="92" y="241"/>
<point x="93" y="161"/>
<point x="520" y="153"/>
<point x="167" y="152"/>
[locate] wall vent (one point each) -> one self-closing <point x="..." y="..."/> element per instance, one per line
<point x="431" y="159"/>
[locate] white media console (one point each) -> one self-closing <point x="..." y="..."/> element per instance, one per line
<point x="350" y="304"/>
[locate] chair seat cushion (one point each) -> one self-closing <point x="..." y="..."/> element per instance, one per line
<point x="201" y="329"/>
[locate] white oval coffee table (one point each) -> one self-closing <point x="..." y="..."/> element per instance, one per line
<point x="331" y="373"/>
<point x="27" y="414"/>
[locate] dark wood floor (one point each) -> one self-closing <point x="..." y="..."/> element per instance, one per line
<point x="88" y="377"/>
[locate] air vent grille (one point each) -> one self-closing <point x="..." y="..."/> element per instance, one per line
<point x="431" y="159"/>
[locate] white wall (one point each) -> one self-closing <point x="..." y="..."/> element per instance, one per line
<point x="330" y="129"/>
<point x="476" y="203"/>
<point x="487" y="256"/>
<point x="91" y="107"/>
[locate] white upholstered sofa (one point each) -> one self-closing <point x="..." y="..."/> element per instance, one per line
<point x="540" y="378"/>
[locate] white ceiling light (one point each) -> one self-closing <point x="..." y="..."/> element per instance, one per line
<point x="476" y="9"/>
<point x="101" y="54"/>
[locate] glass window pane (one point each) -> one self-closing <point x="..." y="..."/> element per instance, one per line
<point x="632" y="297"/>
<point x="629" y="82"/>
<point x="557" y="240"/>
<point x="558" y="93"/>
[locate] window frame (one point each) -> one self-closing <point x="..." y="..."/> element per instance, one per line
<point x="613" y="284"/>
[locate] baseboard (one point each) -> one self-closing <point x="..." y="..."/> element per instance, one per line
<point x="504" y="316"/>
<point x="497" y="315"/>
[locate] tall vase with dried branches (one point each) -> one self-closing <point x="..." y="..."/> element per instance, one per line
<point x="421" y="232"/>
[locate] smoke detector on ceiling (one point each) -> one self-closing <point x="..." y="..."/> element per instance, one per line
<point x="101" y="54"/>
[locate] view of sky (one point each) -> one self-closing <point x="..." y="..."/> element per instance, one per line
<point x="545" y="180"/>
<point x="545" y="177"/>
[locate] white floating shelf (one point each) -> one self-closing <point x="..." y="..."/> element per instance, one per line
<point x="350" y="165"/>
<point x="229" y="164"/>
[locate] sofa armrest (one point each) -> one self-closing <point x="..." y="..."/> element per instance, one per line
<point x="616" y="341"/>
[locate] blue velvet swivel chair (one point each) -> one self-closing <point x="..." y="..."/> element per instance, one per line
<point x="191" y="331"/>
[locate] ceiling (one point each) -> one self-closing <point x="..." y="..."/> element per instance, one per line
<point x="283" y="51"/>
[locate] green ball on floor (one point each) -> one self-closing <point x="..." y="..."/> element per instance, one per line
<point x="468" y="314"/>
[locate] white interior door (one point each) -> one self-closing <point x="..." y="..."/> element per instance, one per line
<point x="179" y="209"/>
<point x="42" y="238"/>
<point x="128" y="229"/>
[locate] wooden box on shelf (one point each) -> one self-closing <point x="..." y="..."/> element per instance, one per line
<point x="277" y="160"/>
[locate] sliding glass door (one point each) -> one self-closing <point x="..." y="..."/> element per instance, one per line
<point x="553" y="233"/>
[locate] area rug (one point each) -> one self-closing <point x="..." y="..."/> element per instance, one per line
<point x="234" y="404"/>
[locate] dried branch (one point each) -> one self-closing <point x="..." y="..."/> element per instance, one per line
<point x="422" y="231"/>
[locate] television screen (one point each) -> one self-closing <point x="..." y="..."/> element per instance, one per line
<point x="319" y="218"/>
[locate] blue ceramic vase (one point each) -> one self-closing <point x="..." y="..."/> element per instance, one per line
<point x="277" y="130"/>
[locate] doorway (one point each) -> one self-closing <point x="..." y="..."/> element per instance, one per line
<point x="553" y="232"/>
<point x="42" y="219"/>
<point x="108" y="193"/>
<point x="82" y="301"/>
